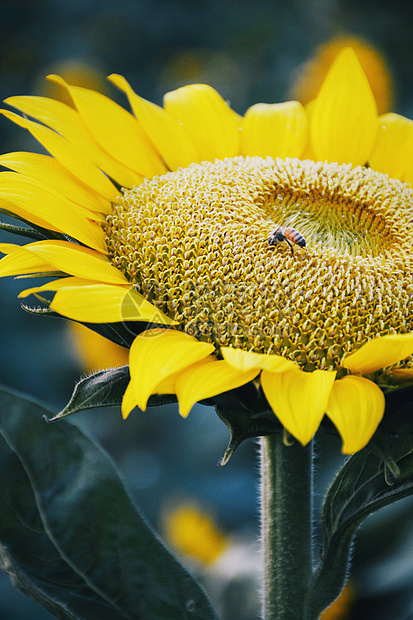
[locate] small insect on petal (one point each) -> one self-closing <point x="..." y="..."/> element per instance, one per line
<point x="288" y="234"/>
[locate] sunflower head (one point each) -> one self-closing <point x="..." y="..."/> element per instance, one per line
<point x="196" y="242"/>
<point x="273" y="250"/>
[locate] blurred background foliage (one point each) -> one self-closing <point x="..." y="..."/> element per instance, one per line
<point x="269" y="51"/>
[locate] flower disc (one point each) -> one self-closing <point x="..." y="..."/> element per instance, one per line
<point x="195" y="243"/>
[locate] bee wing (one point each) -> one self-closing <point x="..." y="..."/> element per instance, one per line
<point x="276" y="229"/>
<point x="285" y="223"/>
<point x="290" y="220"/>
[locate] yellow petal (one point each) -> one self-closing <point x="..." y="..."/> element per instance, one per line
<point x="21" y="262"/>
<point x="167" y="385"/>
<point x="356" y="406"/>
<point x="115" y="129"/>
<point x="206" y="379"/>
<point x="166" y="133"/>
<point x="129" y="401"/>
<point x="66" y="121"/>
<point x="299" y="399"/>
<point x="394" y="147"/>
<point x="403" y="374"/>
<point x="8" y="248"/>
<point x="50" y="173"/>
<point x="57" y="285"/>
<point x="246" y="360"/>
<point x="344" y="124"/>
<point x="158" y="353"/>
<point x="379" y="353"/>
<point x="308" y="152"/>
<point x="77" y="260"/>
<point x="274" y="129"/>
<point x="206" y="117"/>
<point x="14" y="210"/>
<point x="106" y="303"/>
<point x="68" y="155"/>
<point x="60" y="212"/>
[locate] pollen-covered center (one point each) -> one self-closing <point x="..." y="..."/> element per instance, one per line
<point x="195" y="242"/>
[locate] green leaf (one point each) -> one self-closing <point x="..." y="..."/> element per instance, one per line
<point x="375" y="477"/>
<point x="69" y="533"/>
<point x="104" y="388"/>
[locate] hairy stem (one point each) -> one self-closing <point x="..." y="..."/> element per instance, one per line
<point x="286" y="526"/>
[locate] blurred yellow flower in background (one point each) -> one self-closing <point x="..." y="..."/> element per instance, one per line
<point x="75" y="72"/>
<point x="93" y="351"/>
<point x="310" y="76"/>
<point x="194" y="533"/>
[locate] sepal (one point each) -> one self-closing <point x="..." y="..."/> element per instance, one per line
<point x="101" y="389"/>
<point x="30" y="233"/>
<point x="104" y="388"/>
<point x="246" y="414"/>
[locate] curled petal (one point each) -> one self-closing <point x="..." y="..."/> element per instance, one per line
<point x="10" y="248"/>
<point x="299" y="399"/>
<point x="158" y="353"/>
<point x="206" y="117"/>
<point x="344" y="122"/>
<point x="379" y="353"/>
<point x="274" y="129"/>
<point x="206" y="379"/>
<point x="356" y="406"/>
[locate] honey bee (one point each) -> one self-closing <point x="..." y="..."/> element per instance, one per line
<point x="288" y="234"/>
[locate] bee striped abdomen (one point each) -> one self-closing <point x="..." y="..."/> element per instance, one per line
<point x="294" y="236"/>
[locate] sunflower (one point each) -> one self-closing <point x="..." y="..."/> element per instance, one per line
<point x="162" y="218"/>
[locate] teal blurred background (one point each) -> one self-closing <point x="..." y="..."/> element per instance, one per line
<point x="249" y="52"/>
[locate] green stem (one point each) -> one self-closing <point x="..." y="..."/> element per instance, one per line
<point x="286" y="522"/>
